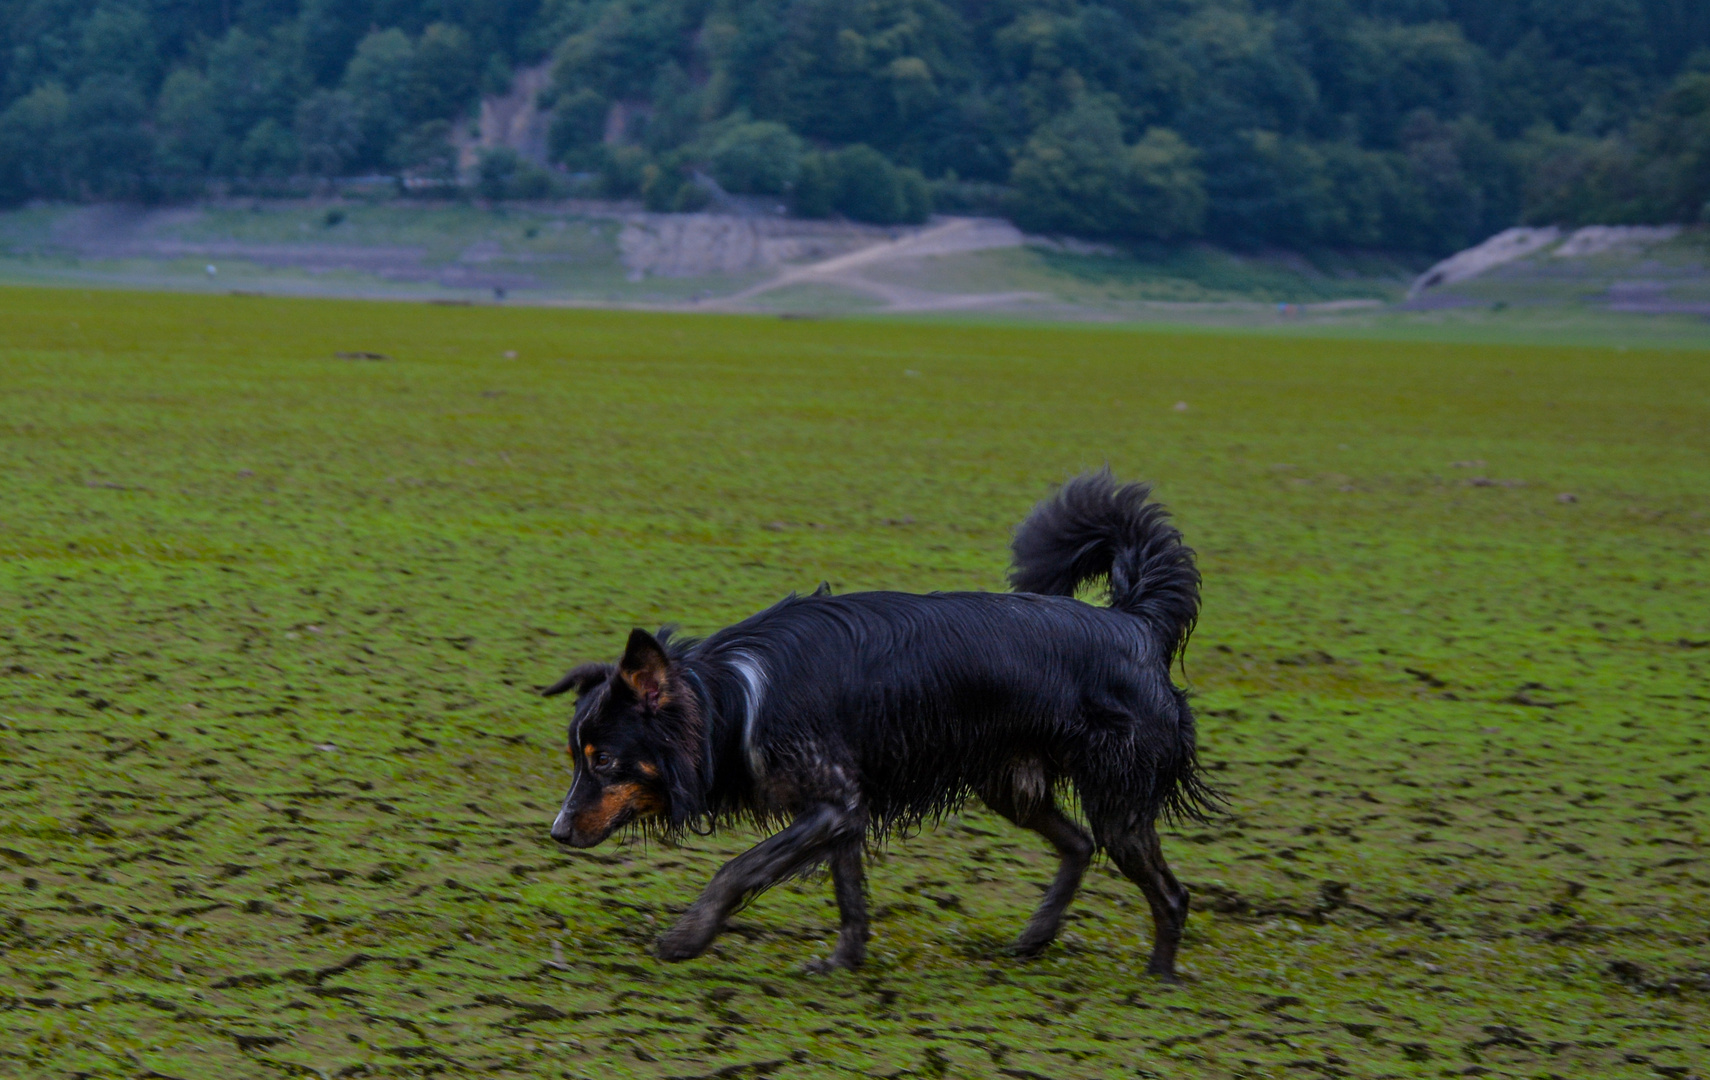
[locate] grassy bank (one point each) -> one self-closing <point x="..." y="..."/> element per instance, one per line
<point x="274" y="786"/>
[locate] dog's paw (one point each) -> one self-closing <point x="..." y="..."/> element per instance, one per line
<point x="676" y="945"/>
<point x="1032" y="942"/>
<point x="825" y="965"/>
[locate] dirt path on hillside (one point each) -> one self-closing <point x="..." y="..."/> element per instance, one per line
<point x="956" y="236"/>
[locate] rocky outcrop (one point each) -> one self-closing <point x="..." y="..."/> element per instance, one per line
<point x="1505" y="246"/>
<point x="1518" y="243"/>
<point x="513" y="119"/>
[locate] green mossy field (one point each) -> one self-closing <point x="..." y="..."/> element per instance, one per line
<point x="275" y="783"/>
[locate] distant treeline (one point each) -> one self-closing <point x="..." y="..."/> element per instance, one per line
<point x="1417" y="125"/>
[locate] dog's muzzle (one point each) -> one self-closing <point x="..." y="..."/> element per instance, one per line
<point x="563" y="831"/>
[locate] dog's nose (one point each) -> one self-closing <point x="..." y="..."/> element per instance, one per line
<point x="562" y="831"/>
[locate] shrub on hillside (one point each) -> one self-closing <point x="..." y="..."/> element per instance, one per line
<point x="861" y="184"/>
<point x="810" y="197"/>
<point x="32" y="145"/>
<point x="667" y="186"/>
<point x="1078" y="177"/>
<point x="755" y="158"/>
<point x="578" y="125"/>
<point x="622" y="171"/>
<point x="329" y="132"/>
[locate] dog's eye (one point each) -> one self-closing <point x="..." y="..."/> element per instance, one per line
<point x="603" y="761"/>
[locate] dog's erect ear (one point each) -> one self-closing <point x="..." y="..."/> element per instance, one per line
<point x="643" y="667"/>
<point x="581" y="679"/>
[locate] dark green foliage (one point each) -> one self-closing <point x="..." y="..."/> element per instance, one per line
<point x="578" y="122"/>
<point x="496" y="171"/>
<point x="1077" y="176"/>
<point x="667" y="186"/>
<point x="812" y="196"/>
<point x="329" y="131"/>
<point x="268" y="151"/>
<point x="187" y="124"/>
<point x="865" y="186"/>
<point x="530" y="181"/>
<point x="1408" y="124"/>
<point x="108" y="151"/>
<point x="1657" y="171"/>
<point x="32" y="150"/>
<point x="502" y="173"/>
<point x="252" y="79"/>
<point x="425" y="150"/>
<point x="381" y="77"/>
<point x="761" y="158"/>
<point x="443" y="73"/>
<point x="623" y="171"/>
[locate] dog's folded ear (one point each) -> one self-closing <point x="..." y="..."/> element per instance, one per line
<point x="644" y="667"/>
<point x="581" y="679"/>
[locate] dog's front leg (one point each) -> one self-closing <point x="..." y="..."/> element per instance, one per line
<point x="806" y="841"/>
<point x="851" y="887"/>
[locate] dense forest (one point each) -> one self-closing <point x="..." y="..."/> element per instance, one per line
<point x="1417" y="125"/>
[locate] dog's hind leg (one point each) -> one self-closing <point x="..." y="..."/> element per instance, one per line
<point x="1038" y="812"/>
<point x="810" y="838"/>
<point x="1075" y="848"/>
<point x="1140" y="857"/>
<point x="851" y="887"/>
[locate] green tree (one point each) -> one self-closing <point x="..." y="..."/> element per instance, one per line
<point x="109" y="151"/>
<point x="329" y="31"/>
<point x="755" y="158"/>
<point x="865" y="186"/>
<point x="667" y="186"/>
<point x="1675" y="140"/>
<point x="1264" y="188"/>
<point x="253" y="79"/>
<point x="623" y="171"/>
<point x="578" y="124"/>
<point x="33" y="131"/>
<point x="426" y="151"/>
<point x="188" y="123"/>
<point x="379" y="78"/>
<point x="811" y="197"/>
<point x="329" y="131"/>
<point x="444" y="73"/>
<point x="1163" y="187"/>
<point x="1076" y="176"/>
<point x="268" y="151"/>
<point x="495" y="171"/>
<point x="118" y="40"/>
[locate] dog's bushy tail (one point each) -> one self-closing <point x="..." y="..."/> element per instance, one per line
<point x="1094" y="528"/>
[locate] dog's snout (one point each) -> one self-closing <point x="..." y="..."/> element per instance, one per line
<point x="566" y="831"/>
<point x="561" y="830"/>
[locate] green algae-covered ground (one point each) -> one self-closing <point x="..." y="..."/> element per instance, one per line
<point x="274" y="785"/>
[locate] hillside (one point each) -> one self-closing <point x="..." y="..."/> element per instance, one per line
<point x="1412" y="125"/>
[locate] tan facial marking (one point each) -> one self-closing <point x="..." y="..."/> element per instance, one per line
<point x="613" y="802"/>
<point x="648" y="768"/>
<point x="588" y="752"/>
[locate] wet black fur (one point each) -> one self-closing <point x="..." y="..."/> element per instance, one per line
<point x="882" y="710"/>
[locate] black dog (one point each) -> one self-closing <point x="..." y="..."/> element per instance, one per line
<point x="849" y="716"/>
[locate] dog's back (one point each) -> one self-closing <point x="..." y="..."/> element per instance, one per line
<point x="927" y="699"/>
